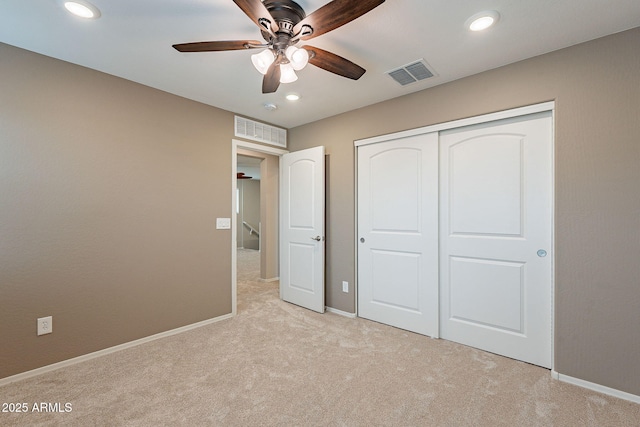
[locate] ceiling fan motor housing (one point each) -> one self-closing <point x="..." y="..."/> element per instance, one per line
<point x="286" y="13"/>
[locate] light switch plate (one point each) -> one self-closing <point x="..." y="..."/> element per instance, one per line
<point x="223" y="223"/>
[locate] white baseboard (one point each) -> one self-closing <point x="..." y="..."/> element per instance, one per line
<point x="595" y="387"/>
<point x="273" y="279"/>
<point x="340" y="312"/>
<point x="99" y="353"/>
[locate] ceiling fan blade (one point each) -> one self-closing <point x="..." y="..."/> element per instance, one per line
<point x="335" y="14"/>
<point x="271" y="80"/>
<point x="334" y="63"/>
<point x="216" y="46"/>
<point x="256" y="10"/>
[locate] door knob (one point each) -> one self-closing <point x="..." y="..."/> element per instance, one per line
<point x="362" y="240"/>
<point x="542" y="253"/>
<point x="317" y="238"/>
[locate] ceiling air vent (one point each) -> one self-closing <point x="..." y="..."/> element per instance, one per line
<point x="261" y="132"/>
<point x="411" y="73"/>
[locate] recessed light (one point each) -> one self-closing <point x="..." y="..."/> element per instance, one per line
<point x="293" y="97"/>
<point x="82" y="8"/>
<point x="483" y="20"/>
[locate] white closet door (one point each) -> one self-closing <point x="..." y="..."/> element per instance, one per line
<point x="496" y="237"/>
<point x="398" y="233"/>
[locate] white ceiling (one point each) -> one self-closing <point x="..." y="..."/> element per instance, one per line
<point x="133" y="40"/>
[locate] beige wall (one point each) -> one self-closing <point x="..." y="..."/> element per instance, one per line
<point x="596" y="87"/>
<point x="269" y="206"/>
<point x="109" y="192"/>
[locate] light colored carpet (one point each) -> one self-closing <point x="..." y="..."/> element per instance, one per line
<point x="276" y="364"/>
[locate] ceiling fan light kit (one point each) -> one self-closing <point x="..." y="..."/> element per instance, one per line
<point x="263" y="60"/>
<point x="287" y="73"/>
<point x="283" y="24"/>
<point x="298" y="58"/>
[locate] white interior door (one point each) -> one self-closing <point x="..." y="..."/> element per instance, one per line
<point x="496" y="237"/>
<point x="302" y="197"/>
<point x="398" y="233"/>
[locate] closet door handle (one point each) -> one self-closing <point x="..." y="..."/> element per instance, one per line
<point x="317" y="238"/>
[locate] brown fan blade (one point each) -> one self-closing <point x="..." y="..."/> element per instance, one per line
<point x="271" y="80"/>
<point x="334" y="63"/>
<point x="335" y="14"/>
<point x="256" y="11"/>
<point x="216" y="46"/>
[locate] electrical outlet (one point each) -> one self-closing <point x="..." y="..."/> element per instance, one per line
<point x="345" y="287"/>
<point x="45" y="325"/>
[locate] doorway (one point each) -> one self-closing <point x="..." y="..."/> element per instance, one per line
<point x="304" y="175"/>
<point x="266" y="162"/>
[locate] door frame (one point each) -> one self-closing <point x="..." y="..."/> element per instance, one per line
<point x="235" y="144"/>
<point x="485" y="118"/>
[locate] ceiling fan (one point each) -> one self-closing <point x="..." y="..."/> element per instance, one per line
<point x="283" y="24"/>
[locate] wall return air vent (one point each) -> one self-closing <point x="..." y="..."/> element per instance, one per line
<point x="261" y="132"/>
<point x="411" y="73"/>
